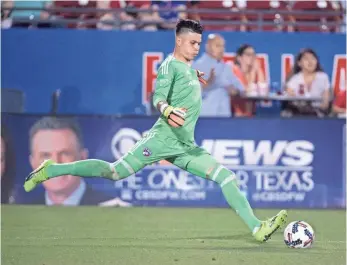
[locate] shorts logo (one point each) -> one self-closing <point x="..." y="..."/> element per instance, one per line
<point x="146" y="152"/>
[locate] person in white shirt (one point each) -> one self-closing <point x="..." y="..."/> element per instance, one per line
<point x="310" y="81"/>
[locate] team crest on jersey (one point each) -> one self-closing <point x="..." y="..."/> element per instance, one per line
<point x="146" y="152"/>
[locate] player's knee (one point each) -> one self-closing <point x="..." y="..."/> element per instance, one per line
<point x="210" y="170"/>
<point x="125" y="167"/>
<point x="220" y="174"/>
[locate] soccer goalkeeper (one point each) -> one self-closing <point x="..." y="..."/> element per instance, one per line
<point x="178" y="97"/>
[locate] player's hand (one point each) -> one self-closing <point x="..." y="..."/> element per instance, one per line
<point x="212" y="76"/>
<point x="200" y="77"/>
<point x="175" y="116"/>
<point x="210" y="79"/>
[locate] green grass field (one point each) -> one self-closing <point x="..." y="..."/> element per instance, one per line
<point x="158" y="236"/>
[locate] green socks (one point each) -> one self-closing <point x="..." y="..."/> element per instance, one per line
<point x="83" y="168"/>
<point x="236" y="199"/>
<point x="120" y="169"/>
<point x="240" y="204"/>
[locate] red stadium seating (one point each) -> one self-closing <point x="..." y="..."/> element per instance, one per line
<point x="237" y="14"/>
<point x="249" y="15"/>
<point x="266" y="6"/>
<point x="218" y="16"/>
<point x="318" y="18"/>
<point x="74" y="15"/>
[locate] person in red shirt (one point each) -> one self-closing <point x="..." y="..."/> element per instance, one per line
<point x="249" y="72"/>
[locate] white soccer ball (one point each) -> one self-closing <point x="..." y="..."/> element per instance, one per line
<point x="298" y="234"/>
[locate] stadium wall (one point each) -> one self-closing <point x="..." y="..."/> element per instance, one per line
<point x="104" y="72"/>
<point x="294" y="163"/>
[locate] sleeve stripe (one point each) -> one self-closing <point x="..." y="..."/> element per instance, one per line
<point x="165" y="66"/>
<point x="163" y="69"/>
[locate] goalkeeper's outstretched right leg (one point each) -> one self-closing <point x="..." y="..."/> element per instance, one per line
<point x="123" y="168"/>
<point x="151" y="148"/>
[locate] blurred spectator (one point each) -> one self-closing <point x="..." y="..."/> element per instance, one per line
<point x="220" y="79"/>
<point x="310" y="81"/>
<point x="83" y="17"/>
<point x="173" y="11"/>
<point x="27" y="14"/>
<point x="344" y="18"/>
<point x="339" y="104"/>
<point x="146" y="17"/>
<point x="129" y="15"/>
<point x="247" y="69"/>
<point x="6" y="21"/>
<point x="8" y="166"/>
<point x="61" y="140"/>
<point x="193" y="5"/>
<point x="107" y="22"/>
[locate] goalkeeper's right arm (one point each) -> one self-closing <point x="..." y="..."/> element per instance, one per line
<point x="175" y="116"/>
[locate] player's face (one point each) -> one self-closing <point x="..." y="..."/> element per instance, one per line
<point x="308" y="62"/>
<point x="189" y="44"/>
<point x="62" y="147"/>
<point x="217" y="48"/>
<point x="3" y="157"/>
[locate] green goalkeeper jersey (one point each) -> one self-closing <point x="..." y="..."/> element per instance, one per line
<point x="178" y="84"/>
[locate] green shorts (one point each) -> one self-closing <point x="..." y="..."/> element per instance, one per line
<point x="155" y="147"/>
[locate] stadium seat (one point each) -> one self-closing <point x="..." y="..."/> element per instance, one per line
<point x="218" y="16"/>
<point x="273" y="17"/>
<point x="74" y="15"/>
<point x="319" y="18"/>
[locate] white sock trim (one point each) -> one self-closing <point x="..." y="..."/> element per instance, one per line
<point x="115" y="175"/>
<point x="216" y="173"/>
<point x="227" y="180"/>
<point x="128" y="167"/>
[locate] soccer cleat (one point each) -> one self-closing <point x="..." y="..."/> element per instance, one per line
<point x="270" y="226"/>
<point x="38" y="176"/>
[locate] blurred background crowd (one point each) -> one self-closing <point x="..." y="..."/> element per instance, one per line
<point x="237" y="15"/>
<point x="306" y="76"/>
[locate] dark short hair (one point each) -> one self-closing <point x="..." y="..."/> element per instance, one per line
<point x="56" y="123"/>
<point x="188" y="25"/>
<point x="240" y="51"/>
<point x="297" y="68"/>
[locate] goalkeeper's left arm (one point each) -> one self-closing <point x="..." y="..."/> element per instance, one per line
<point x="175" y="116"/>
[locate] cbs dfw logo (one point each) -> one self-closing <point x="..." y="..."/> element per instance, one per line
<point x="124" y="140"/>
